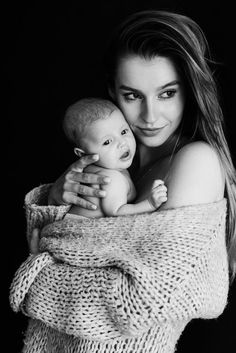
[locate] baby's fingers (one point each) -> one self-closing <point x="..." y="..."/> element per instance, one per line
<point x="161" y="198"/>
<point x="159" y="184"/>
<point x="160" y="191"/>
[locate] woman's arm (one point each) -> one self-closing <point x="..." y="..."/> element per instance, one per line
<point x="195" y="177"/>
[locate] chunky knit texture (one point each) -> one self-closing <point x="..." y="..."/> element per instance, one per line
<point x="120" y="284"/>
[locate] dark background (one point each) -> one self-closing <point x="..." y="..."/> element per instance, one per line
<point x="54" y="56"/>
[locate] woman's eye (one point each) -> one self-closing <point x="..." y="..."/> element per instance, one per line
<point x="132" y="96"/>
<point x="107" y="142"/>
<point x="125" y="131"/>
<point x="167" y="94"/>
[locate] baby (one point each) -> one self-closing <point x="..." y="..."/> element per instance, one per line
<point x="97" y="126"/>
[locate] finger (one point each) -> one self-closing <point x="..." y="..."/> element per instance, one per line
<point x="81" y="189"/>
<point x="76" y="200"/>
<point x="84" y="161"/>
<point x="159" y="199"/>
<point x="163" y="198"/>
<point x="161" y="187"/>
<point x="34" y="242"/>
<point x="158" y="193"/>
<point x="87" y="178"/>
<point x="157" y="182"/>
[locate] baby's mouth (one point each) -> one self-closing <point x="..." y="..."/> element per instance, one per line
<point x="125" y="155"/>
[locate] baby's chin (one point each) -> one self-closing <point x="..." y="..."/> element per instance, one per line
<point x="120" y="165"/>
<point x="126" y="164"/>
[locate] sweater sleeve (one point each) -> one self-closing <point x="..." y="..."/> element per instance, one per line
<point x="174" y="268"/>
<point x="38" y="212"/>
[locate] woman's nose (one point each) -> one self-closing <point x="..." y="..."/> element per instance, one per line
<point x="149" y="113"/>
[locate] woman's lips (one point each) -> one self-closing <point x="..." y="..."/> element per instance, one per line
<point x="150" y="132"/>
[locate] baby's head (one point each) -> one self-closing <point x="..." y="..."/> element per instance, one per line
<point x="98" y="126"/>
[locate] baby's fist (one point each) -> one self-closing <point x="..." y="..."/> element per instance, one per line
<point x="158" y="194"/>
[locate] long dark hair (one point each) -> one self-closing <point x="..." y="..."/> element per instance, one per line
<point x="151" y="33"/>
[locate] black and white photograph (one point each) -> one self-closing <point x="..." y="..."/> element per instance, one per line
<point x="120" y="232"/>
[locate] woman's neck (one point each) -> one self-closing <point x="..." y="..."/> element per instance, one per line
<point x="147" y="158"/>
<point x="150" y="155"/>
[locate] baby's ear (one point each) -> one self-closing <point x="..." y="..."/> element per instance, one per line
<point x="79" y="152"/>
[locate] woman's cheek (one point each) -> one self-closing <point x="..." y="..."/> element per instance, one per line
<point x="130" y="112"/>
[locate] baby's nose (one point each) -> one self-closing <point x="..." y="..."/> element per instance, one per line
<point x="121" y="144"/>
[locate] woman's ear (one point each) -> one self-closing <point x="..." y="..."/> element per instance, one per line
<point x="79" y="152"/>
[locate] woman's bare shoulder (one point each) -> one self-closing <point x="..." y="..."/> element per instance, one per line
<point x="197" y="151"/>
<point x="195" y="176"/>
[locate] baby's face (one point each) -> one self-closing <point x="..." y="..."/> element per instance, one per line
<point x="112" y="140"/>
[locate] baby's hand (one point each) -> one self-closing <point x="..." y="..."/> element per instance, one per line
<point x="158" y="194"/>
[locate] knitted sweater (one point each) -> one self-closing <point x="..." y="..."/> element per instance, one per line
<point x="120" y="284"/>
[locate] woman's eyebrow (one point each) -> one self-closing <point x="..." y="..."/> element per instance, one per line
<point x="172" y="83"/>
<point x="128" y="88"/>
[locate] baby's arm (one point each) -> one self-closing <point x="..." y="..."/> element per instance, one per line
<point x="115" y="203"/>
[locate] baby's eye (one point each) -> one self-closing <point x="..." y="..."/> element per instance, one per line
<point x="125" y="131"/>
<point x="168" y="94"/>
<point x="107" y="142"/>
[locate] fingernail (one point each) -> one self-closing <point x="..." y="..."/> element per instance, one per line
<point x="95" y="157"/>
<point x="106" y="180"/>
<point x="102" y="193"/>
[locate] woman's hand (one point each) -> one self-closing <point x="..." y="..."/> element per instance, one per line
<point x="72" y="183"/>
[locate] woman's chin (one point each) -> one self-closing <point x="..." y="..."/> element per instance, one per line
<point x="151" y="141"/>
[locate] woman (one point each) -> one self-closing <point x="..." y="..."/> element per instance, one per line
<point x="156" y="281"/>
<point x="158" y="74"/>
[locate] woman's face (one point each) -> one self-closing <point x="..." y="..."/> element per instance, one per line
<point x="151" y="96"/>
